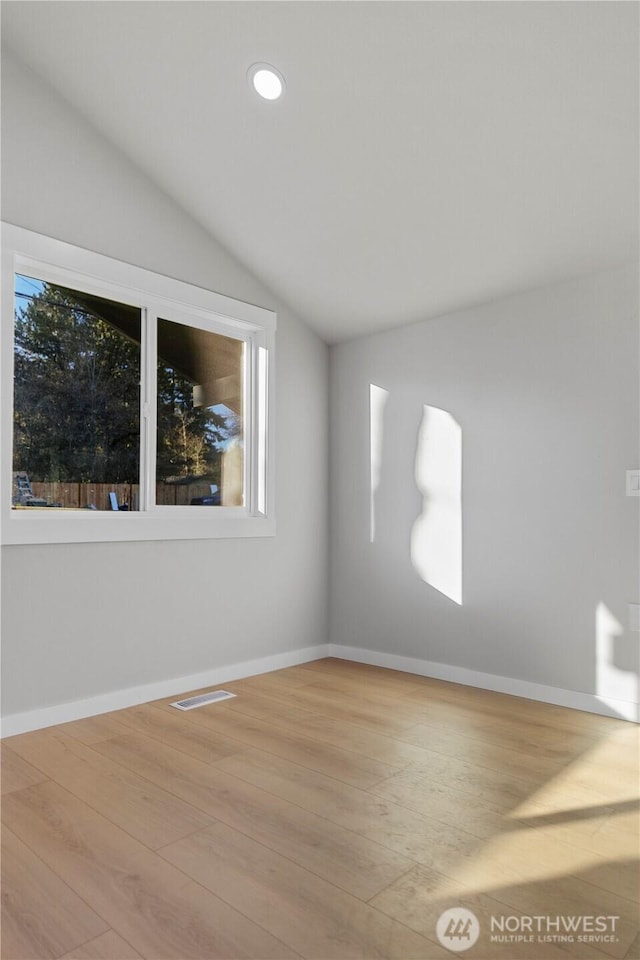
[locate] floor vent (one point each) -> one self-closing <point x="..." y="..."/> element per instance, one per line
<point x="200" y="701"/>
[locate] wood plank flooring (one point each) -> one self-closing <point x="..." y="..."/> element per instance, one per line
<point x="331" y="811"/>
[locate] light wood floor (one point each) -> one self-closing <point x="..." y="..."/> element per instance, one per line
<point x="331" y="811"/>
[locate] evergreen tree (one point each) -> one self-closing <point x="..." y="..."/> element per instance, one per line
<point x="77" y="401"/>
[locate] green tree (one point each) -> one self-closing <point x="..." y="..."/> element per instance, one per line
<point x="76" y="393"/>
<point x="77" y="400"/>
<point x="190" y="438"/>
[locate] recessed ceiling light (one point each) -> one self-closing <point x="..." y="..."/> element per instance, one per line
<point x="267" y="82"/>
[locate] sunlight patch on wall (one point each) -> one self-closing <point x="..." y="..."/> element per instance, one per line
<point x="436" y="537"/>
<point x="615" y="687"/>
<point x="377" y="401"/>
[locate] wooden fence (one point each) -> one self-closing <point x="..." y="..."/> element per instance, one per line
<point x="83" y="494"/>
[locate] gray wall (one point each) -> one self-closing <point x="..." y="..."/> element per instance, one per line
<point x="545" y="388"/>
<point x="81" y="620"/>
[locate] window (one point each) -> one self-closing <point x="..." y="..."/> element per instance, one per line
<point x="76" y="399"/>
<point x="137" y="407"/>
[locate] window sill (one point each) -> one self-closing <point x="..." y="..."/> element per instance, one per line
<point x="23" y="527"/>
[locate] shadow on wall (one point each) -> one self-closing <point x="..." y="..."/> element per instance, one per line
<point x="416" y="489"/>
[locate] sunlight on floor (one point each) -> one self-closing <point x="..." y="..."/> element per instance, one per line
<point x="520" y="858"/>
<point x="584" y="821"/>
<point x="436" y="538"/>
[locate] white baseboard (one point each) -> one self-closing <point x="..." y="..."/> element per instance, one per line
<point x="576" y="700"/>
<point x="131" y="696"/>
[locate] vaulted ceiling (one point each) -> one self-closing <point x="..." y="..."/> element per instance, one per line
<point x="426" y="155"/>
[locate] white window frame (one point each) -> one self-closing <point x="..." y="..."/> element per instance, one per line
<point x="46" y="259"/>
